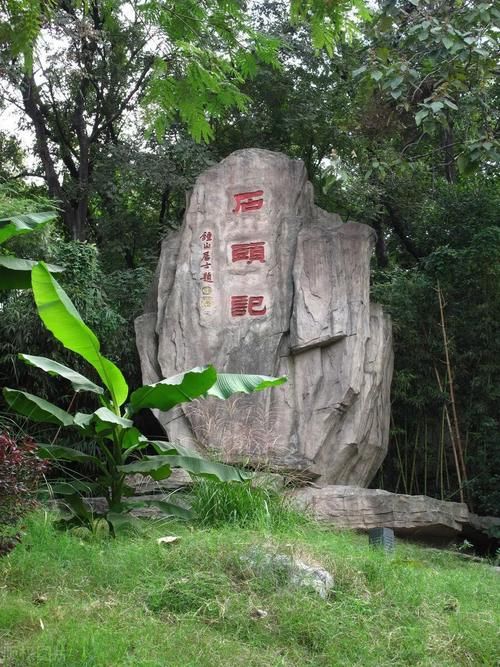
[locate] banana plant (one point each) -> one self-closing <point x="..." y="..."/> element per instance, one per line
<point x="122" y="449"/>
<point x="15" y="273"/>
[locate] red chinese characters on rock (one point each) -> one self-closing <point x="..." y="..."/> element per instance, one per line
<point x="244" y="202"/>
<point x="249" y="252"/>
<point x="243" y="304"/>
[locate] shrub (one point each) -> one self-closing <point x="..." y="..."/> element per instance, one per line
<point x="20" y="473"/>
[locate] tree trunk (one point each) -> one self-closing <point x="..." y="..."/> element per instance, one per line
<point x="31" y="101"/>
<point x="380" y="249"/>
<point x="75" y="217"/>
<point x="164" y="206"/>
<point x="396" y="223"/>
<point x="450" y="170"/>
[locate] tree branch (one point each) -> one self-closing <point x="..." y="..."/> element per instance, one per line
<point x="109" y="121"/>
<point x="31" y="101"/>
<point x="397" y="225"/>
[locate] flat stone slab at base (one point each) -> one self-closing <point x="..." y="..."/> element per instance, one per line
<point x="416" y="516"/>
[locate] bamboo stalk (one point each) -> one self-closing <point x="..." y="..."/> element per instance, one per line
<point x="400" y="461"/>
<point x="406" y="458"/>
<point x="441" y="456"/>
<point x="414" y="461"/>
<point x="69" y="408"/>
<point x="425" y="456"/>
<point x="452" y="438"/>
<point x="458" y="439"/>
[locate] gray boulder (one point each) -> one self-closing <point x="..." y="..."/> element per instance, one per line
<point x="260" y="280"/>
<point x="288" y="570"/>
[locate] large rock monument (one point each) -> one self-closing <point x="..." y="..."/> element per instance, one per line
<point x="260" y="280"/>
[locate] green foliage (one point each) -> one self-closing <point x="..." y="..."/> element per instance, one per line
<point x="327" y="20"/>
<point x="208" y="81"/>
<point x="36" y="408"/>
<point x="15" y="273"/>
<point x="437" y="63"/>
<point x="110" y="426"/>
<point x="20" y="25"/>
<point x="21" y="213"/>
<point x="78" y="381"/>
<point x="11" y="165"/>
<point x="22" y="224"/>
<point x="99" y="298"/>
<point x="246" y="505"/>
<point x="62" y="319"/>
<point x="131" y="601"/>
<point x="208" y="87"/>
<point x="119" y="68"/>
<point x="138" y="196"/>
<point x="107" y="304"/>
<point x="305" y="108"/>
<point x="458" y="231"/>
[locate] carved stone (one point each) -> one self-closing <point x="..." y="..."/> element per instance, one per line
<point x="303" y="311"/>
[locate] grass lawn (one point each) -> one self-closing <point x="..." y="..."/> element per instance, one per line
<point x="68" y="602"/>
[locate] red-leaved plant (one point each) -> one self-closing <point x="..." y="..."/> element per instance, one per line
<point x="21" y="470"/>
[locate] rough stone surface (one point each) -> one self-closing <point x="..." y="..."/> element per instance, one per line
<point x="358" y="508"/>
<point x="142" y="485"/>
<point x="290" y="570"/>
<point x="180" y="479"/>
<point x="330" y="422"/>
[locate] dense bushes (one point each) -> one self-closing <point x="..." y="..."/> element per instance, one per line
<point x="20" y="473"/>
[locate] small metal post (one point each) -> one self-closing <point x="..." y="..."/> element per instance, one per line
<point x="382" y="537"/>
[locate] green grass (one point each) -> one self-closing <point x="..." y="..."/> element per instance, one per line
<point x="246" y="505"/>
<point x="66" y="602"/>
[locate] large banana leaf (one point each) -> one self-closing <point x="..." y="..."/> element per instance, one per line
<point x="159" y="465"/>
<point x="15" y="273"/>
<point x="101" y="423"/>
<point x="78" y="381"/>
<point x="36" y="408"/>
<point x="121" y="521"/>
<point x="199" y="381"/>
<point x="63" y="488"/>
<point x="109" y="417"/>
<point x="61" y="318"/>
<point x="78" y="508"/>
<point x="22" y="224"/>
<point x="180" y="388"/>
<point x="228" y="384"/>
<point x="59" y="453"/>
<point x="163" y="447"/>
<point x="83" y="420"/>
